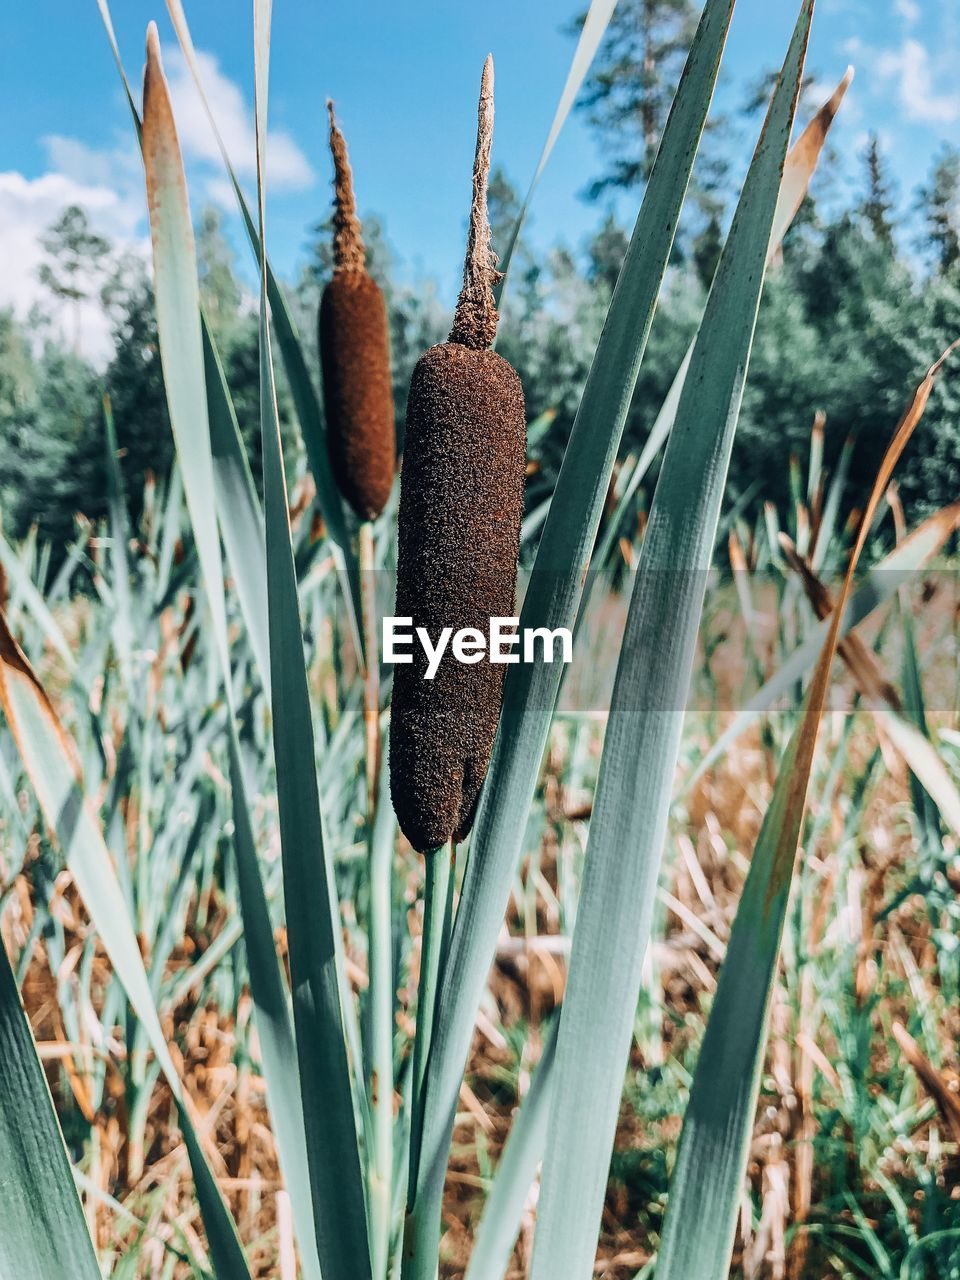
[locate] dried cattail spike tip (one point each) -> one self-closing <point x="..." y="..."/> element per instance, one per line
<point x="461" y="502"/>
<point x="355" y="356"/>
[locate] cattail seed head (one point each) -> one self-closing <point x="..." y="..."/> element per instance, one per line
<point x="461" y="502"/>
<point x="355" y="358"/>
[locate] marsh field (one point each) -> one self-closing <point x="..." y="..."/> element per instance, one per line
<point x="641" y="965"/>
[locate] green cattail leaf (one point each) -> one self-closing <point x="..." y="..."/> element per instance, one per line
<point x="880" y="584"/>
<point x="552" y="600"/>
<point x="312" y="910"/>
<point x="44" y="1234"/>
<point x="121" y="616"/>
<point x="177" y="295"/>
<point x="503" y="1211"/>
<point x="635" y="782"/>
<point x="302" y="388"/>
<point x="928" y="820"/>
<point x="51" y="763"/>
<point x="707" y="1181"/>
<point x="925" y="764"/>
<point x="831" y="507"/>
<point x="182" y="354"/>
<point x="707" y="1184"/>
<point x="238" y="507"/>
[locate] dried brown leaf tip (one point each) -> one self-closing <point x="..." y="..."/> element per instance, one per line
<point x="475" y="320"/>
<point x="461" y="502"/>
<point x="348" y="251"/>
<point x="355" y="357"/>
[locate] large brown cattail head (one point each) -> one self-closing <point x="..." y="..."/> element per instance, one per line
<point x="355" y="357"/>
<point x="461" y="501"/>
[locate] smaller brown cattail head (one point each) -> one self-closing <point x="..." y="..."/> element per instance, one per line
<point x="355" y="357"/>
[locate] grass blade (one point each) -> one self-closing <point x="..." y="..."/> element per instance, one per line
<point x="44" y="1235"/>
<point x="312" y="911"/>
<point x="705" y="1192"/>
<point x="552" y="600"/>
<point x="642" y="741"/>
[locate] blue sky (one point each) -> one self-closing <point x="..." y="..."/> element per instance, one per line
<point x="405" y="78"/>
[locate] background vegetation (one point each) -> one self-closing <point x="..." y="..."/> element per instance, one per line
<point x="852" y="1162"/>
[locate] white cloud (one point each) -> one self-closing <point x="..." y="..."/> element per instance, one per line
<point x="910" y="67"/>
<point x="118" y="168"/>
<point x="287" y="167"/>
<point x="909" y="11"/>
<point x="27" y="209"/>
<point x="108" y="183"/>
<point x="220" y="191"/>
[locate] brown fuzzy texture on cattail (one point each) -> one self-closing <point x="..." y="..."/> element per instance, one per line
<point x="355" y="357"/>
<point x="461" y="502"/>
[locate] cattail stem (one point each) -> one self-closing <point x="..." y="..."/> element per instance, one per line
<point x="371" y="680"/>
<point x="475" y="319"/>
<point x="348" y="250"/>
<point x="380" y="1008"/>
<point x="437" y="912"/>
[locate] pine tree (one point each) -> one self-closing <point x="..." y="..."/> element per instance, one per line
<point x="134" y="381"/>
<point x="706" y="250"/>
<point x="219" y="290"/>
<point x="77" y="262"/>
<point x="606" y="252"/>
<point x="878" y="204"/>
<point x="631" y="85"/>
<point x="940" y="204"/>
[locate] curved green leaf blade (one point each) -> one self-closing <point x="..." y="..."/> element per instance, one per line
<point x="182" y="352"/>
<point x="238" y="507"/>
<point x="516" y="1170"/>
<point x="312" y="910"/>
<point x="642" y="740"/>
<point x="552" y="600"/>
<point x="241" y="520"/>
<point x="302" y="388"/>
<point x="44" y="1234"/>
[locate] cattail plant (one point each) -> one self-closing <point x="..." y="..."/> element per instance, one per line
<point x="461" y="499"/>
<point x="358" y="397"/>
<point x="355" y="356"/>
